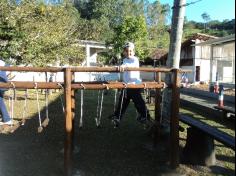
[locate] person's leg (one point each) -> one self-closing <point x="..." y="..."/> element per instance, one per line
<point x="123" y="103"/>
<point x="3" y="108"/>
<point x="140" y="105"/>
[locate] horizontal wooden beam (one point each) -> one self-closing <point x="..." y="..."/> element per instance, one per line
<point x="88" y="69"/>
<point x="81" y="85"/>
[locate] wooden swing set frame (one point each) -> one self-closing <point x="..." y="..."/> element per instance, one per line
<point x="70" y="86"/>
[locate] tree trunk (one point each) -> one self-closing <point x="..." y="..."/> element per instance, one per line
<point x="174" y="50"/>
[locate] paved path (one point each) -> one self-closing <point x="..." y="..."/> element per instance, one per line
<point x="202" y="103"/>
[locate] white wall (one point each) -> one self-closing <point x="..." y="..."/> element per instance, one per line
<point x="59" y="77"/>
<point x="79" y="76"/>
<point x="204" y="69"/>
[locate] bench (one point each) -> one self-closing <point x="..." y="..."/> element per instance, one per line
<point x="199" y="148"/>
<point x="227" y="111"/>
<point x="218" y="135"/>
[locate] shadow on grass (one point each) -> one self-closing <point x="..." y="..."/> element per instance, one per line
<point x="106" y="151"/>
<point x="226" y="158"/>
<point x="26" y="152"/>
<point x="222" y="170"/>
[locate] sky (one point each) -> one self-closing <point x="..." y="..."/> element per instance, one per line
<point x="216" y="9"/>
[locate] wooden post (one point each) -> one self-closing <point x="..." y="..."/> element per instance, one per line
<point x="68" y="124"/>
<point x="157" y="110"/>
<point x="174" y="121"/>
<point x="73" y="109"/>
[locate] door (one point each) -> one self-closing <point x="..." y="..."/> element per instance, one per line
<point x="197" y="78"/>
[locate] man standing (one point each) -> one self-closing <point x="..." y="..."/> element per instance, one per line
<point x="3" y="110"/>
<point x="130" y="77"/>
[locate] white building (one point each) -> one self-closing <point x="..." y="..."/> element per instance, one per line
<point x="218" y="57"/>
<point x="92" y="48"/>
<point x="208" y="56"/>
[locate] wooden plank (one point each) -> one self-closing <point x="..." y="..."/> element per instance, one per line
<point x="80" y="85"/>
<point x="68" y="125"/>
<point x="218" y="135"/>
<point x="157" y="123"/>
<point x="174" y="120"/>
<point x="88" y="69"/>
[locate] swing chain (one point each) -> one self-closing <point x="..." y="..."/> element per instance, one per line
<point x="162" y="101"/>
<point x="24" y="108"/>
<point x="13" y="85"/>
<point x="81" y="105"/>
<point x="122" y="99"/>
<point x="40" y="128"/>
<point x="11" y="100"/>
<point x="62" y="104"/>
<point x="81" y="108"/>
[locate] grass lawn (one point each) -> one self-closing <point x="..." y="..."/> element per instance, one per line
<point x="101" y="151"/>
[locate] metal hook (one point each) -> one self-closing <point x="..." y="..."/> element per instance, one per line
<point x="145" y="85"/>
<point x="83" y="86"/>
<point x="36" y="85"/>
<point x="106" y="86"/>
<point x="59" y="84"/>
<point x="122" y="69"/>
<point x="13" y="85"/>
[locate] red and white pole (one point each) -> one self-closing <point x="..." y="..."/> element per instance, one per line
<point x="221" y="97"/>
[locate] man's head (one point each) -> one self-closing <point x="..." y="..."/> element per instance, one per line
<point x="129" y="50"/>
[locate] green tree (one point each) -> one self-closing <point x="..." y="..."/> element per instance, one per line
<point x="157" y="15"/>
<point x="41" y="34"/>
<point x="206" y="18"/>
<point x="133" y="28"/>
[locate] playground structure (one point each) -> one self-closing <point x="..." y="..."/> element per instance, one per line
<point x="69" y="86"/>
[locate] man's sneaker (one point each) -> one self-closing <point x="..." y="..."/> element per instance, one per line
<point x="116" y="123"/>
<point x="10" y="122"/>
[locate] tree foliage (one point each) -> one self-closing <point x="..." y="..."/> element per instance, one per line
<point x="133" y="28"/>
<point x="214" y="27"/>
<point x="42" y="34"/>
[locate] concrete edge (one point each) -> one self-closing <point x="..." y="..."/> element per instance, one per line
<point x="230" y="99"/>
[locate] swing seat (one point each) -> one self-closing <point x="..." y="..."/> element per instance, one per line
<point x="6" y="128"/>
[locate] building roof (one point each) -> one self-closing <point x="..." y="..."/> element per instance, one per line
<point x="199" y="36"/>
<point x="218" y="41"/>
<point x="191" y="41"/>
<point x="94" y="44"/>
